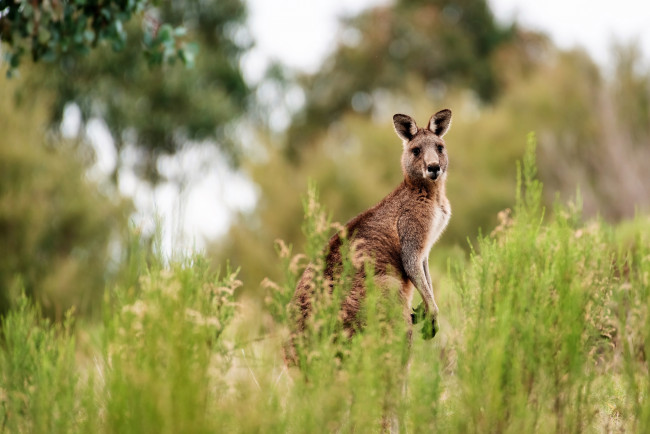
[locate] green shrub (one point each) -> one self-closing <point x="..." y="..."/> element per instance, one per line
<point x="38" y="379"/>
<point x="58" y="229"/>
<point x="535" y="298"/>
<point x="163" y="356"/>
<point x="544" y="328"/>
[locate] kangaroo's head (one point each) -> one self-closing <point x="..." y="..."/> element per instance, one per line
<point x="425" y="155"/>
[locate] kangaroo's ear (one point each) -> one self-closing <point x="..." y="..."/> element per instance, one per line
<point x="440" y="122"/>
<point x="405" y="126"/>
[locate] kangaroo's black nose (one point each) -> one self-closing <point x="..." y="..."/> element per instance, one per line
<point x="433" y="170"/>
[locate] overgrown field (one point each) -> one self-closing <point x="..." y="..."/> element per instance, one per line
<point x="544" y="328"/>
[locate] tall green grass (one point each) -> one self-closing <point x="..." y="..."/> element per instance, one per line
<point x="544" y="328"/>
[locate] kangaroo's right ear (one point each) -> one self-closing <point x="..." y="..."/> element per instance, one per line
<point x="405" y="126"/>
<point x="440" y="122"/>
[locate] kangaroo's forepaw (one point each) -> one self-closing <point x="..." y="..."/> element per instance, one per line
<point x="418" y="314"/>
<point x="429" y="329"/>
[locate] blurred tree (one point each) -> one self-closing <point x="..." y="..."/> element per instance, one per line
<point x="49" y="29"/>
<point x="584" y="123"/>
<point x="631" y="91"/>
<point x="408" y="57"/>
<point x="441" y="43"/>
<point x="59" y="232"/>
<point x="160" y="110"/>
<point x="56" y="228"/>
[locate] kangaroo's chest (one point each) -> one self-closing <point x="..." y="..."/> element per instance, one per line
<point x="440" y="215"/>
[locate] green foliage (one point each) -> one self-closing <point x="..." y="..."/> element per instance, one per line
<point x="589" y="125"/>
<point x="50" y="30"/>
<point x="157" y="111"/>
<point x="317" y="228"/>
<point x="357" y="384"/>
<point x="38" y="379"/>
<point x="354" y="169"/>
<point x="156" y="364"/>
<point x="534" y="300"/>
<point x="632" y="91"/>
<point x="441" y="43"/>
<point x="168" y="329"/>
<point x="316" y="224"/>
<point x="544" y="329"/>
<point x="57" y="228"/>
<point x="582" y="129"/>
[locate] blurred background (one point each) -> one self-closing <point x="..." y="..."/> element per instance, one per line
<point x="216" y="157"/>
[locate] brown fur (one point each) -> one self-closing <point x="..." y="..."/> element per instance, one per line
<point x="398" y="232"/>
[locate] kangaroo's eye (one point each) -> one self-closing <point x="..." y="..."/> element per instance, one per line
<point x="441" y="148"/>
<point x="416" y="151"/>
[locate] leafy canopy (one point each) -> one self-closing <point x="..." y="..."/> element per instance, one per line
<point x="155" y="111"/>
<point x="52" y="29"/>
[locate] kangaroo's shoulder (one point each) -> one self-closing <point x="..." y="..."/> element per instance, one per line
<point x="384" y="211"/>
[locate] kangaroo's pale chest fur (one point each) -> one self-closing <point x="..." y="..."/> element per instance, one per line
<point x="439" y="220"/>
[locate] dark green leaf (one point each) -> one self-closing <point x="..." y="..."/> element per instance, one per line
<point x="44" y="35"/>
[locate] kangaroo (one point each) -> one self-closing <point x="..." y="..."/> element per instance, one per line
<point x="396" y="234"/>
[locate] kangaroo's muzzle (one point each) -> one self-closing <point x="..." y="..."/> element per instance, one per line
<point x="433" y="171"/>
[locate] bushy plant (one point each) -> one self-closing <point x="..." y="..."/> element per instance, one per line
<point x="535" y="299"/>
<point x="544" y="328"/>
<point x="156" y="364"/>
<point x="38" y="380"/>
<point x="58" y="229"/>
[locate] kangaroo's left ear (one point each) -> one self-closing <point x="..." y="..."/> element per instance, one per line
<point x="405" y="126"/>
<point x="440" y="122"/>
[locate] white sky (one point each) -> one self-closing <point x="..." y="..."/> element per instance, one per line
<point x="300" y="34"/>
<point x="592" y="24"/>
<point x="297" y="32"/>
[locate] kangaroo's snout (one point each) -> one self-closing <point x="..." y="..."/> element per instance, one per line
<point x="433" y="171"/>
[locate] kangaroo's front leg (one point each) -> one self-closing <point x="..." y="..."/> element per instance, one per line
<point x="417" y="272"/>
<point x="419" y="313"/>
<point x="430" y="328"/>
<point x="428" y="310"/>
